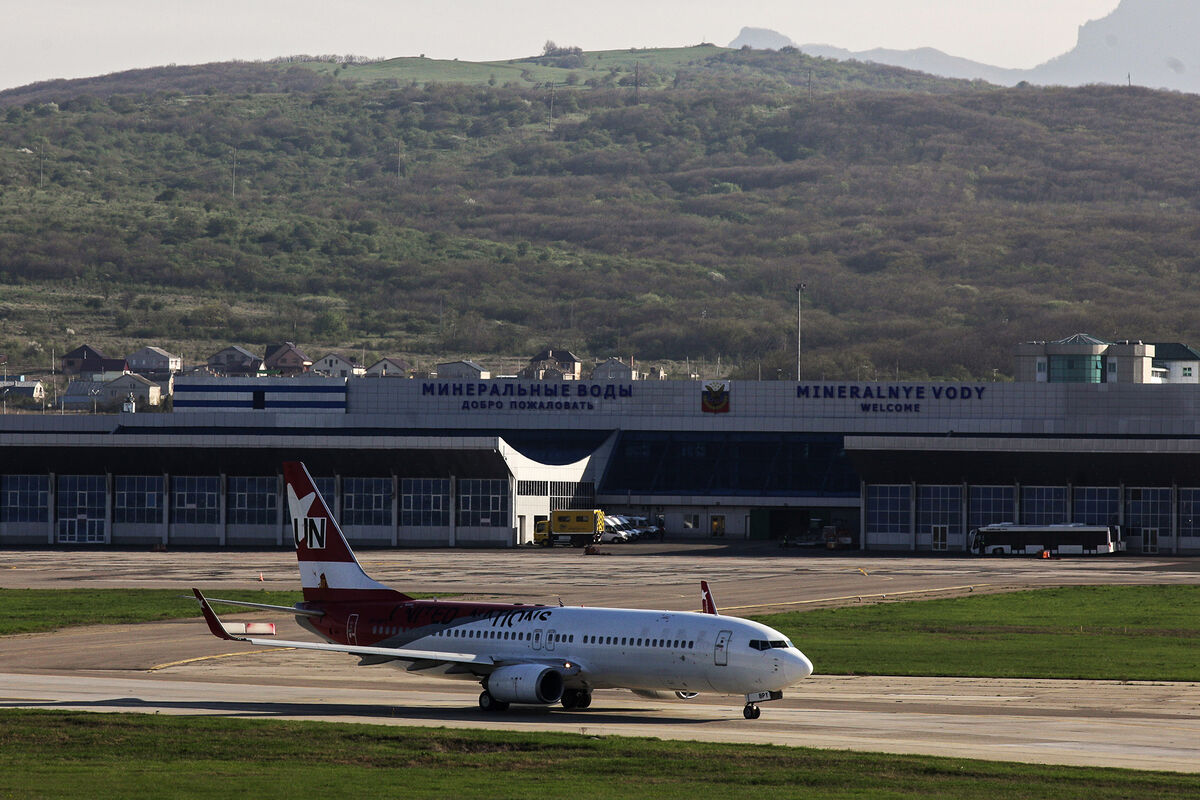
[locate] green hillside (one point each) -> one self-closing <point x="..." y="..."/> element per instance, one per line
<point x="661" y="204"/>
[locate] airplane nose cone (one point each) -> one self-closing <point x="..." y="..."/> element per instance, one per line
<point x="800" y="666"/>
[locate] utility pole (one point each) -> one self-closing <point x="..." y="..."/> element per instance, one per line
<point x="800" y="287"/>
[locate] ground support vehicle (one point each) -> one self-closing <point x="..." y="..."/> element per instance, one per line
<point x="573" y="526"/>
<point x="1006" y="538"/>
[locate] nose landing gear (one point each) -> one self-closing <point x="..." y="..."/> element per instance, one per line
<point x="751" y="711"/>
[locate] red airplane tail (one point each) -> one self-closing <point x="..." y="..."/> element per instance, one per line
<point x="329" y="572"/>
<point x="707" y="604"/>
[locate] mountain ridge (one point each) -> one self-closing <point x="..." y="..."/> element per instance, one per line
<point x="1147" y="43"/>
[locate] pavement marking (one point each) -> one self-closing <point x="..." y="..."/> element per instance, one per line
<point x="219" y="655"/>
<point x="855" y="597"/>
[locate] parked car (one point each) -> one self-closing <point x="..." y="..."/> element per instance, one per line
<point x="613" y="533"/>
<point x="643" y="526"/>
<point x="622" y="523"/>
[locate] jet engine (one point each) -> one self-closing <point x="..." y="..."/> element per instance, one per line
<point x="526" y="683"/>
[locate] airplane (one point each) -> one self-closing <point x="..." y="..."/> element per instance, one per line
<point x="519" y="653"/>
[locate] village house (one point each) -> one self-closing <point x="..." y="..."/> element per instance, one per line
<point x="286" y="359"/>
<point x="235" y="361"/>
<point x="389" y="368"/>
<point x="154" y="361"/>
<point x="462" y="371"/>
<point x="338" y="366"/>
<point x="614" y="369"/>
<point x="553" y="365"/>
<point x="87" y="361"/>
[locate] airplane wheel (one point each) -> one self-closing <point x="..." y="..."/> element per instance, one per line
<point x="489" y="703"/>
<point x="570" y="698"/>
<point x="751" y="711"/>
<point x="585" y="700"/>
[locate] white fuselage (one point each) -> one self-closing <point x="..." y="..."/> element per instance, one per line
<point x="619" y="648"/>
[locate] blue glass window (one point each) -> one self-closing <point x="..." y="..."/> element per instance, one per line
<point x="425" y="502"/>
<point x="1189" y="512"/>
<point x="195" y="499"/>
<point x="483" y="503"/>
<point x="252" y="501"/>
<point x="1076" y="369"/>
<point x="1096" y="505"/>
<point x="81" y="508"/>
<point x="24" y="498"/>
<point x="138" y="498"/>
<point x="889" y="509"/>
<point x="1043" y="505"/>
<point x="367" y="501"/>
<point x="1148" y="508"/>
<point x="989" y="505"/>
<point x="939" y="505"/>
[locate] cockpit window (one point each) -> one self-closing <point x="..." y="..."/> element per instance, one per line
<point x="763" y="644"/>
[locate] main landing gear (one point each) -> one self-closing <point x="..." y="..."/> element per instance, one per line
<point x="576" y="698"/>
<point x="751" y="711"/>
<point x="489" y="703"/>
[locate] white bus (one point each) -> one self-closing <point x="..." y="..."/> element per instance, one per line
<point x="1005" y="538"/>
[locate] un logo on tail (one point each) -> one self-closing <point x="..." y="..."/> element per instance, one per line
<point x="309" y="531"/>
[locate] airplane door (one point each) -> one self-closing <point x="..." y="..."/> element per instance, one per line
<point x="550" y="640"/>
<point x="352" y="629"/>
<point x="721" y="653"/>
<point x="537" y="639"/>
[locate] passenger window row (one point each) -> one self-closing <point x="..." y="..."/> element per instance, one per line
<point x="568" y="638"/>
<point x="631" y="641"/>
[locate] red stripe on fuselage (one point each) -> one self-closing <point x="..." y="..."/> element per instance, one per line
<point x="417" y="615"/>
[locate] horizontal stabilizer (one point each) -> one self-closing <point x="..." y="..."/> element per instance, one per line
<point x="256" y="628"/>
<point x="300" y="612"/>
<point x="397" y="653"/>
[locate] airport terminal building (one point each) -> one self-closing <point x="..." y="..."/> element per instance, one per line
<point x="431" y="463"/>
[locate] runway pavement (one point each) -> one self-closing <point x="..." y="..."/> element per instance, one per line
<point x="176" y="667"/>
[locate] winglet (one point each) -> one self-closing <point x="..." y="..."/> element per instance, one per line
<point x="707" y="604"/>
<point x="210" y="617"/>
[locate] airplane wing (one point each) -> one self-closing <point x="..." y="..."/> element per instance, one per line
<point x="375" y="654"/>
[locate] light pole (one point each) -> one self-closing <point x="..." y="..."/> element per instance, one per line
<point x="800" y="287"/>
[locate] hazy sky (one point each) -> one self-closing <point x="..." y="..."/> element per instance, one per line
<point x="44" y="39"/>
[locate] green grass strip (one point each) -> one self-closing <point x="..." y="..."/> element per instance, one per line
<point x="1147" y="633"/>
<point x="75" y="754"/>
<point x="37" y="610"/>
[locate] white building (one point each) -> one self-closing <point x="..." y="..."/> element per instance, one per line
<point x="1175" y="363"/>
<point x="462" y="371"/>
<point x="154" y="360"/>
<point x="389" y="368"/>
<point x="338" y="366"/>
<point x="614" y="369"/>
